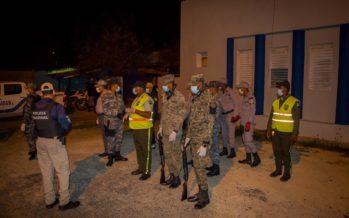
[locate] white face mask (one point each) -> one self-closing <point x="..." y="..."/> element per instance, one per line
<point x="118" y="89"/>
<point x="194" y="90"/>
<point x="280" y="93"/>
<point x="98" y="90"/>
<point x="147" y="90"/>
<point x="241" y="92"/>
<point x="134" y="91"/>
<point x="165" y="88"/>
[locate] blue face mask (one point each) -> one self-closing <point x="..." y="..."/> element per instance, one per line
<point x="194" y="90"/>
<point x="165" y="88"/>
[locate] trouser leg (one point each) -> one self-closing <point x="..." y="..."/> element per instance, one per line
<point x="276" y="141"/>
<point x="286" y="152"/>
<point x="101" y="126"/>
<point x="231" y="129"/>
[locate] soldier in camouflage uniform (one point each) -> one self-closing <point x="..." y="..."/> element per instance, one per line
<point x="27" y="125"/>
<point x="173" y="111"/>
<point x="112" y="120"/>
<point x="214" y="152"/>
<point x="247" y="125"/>
<point x="200" y="114"/>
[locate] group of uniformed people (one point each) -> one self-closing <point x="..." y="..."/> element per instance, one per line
<point x="211" y="108"/>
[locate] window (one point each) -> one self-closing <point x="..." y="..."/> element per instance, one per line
<point x="321" y="66"/>
<point x="245" y="66"/>
<point x="278" y="65"/>
<point x="201" y="59"/>
<point x="12" y="89"/>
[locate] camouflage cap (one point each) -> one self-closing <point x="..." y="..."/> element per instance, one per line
<point x="166" y="79"/>
<point x="213" y="84"/>
<point x="196" y="78"/>
<point x="243" y="84"/>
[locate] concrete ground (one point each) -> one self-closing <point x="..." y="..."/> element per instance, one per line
<point x="319" y="186"/>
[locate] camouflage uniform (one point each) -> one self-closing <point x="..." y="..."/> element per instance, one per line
<point x="214" y="152"/>
<point x="28" y="121"/>
<point x="173" y="111"/>
<point x="200" y="125"/>
<point x="120" y="125"/>
<point x="248" y="115"/>
<point x="110" y="120"/>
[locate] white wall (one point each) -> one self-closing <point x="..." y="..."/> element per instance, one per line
<point x="206" y="25"/>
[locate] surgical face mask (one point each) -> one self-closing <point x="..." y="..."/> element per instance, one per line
<point x="98" y="90"/>
<point x="165" y="88"/>
<point x="280" y="93"/>
<point x="241" y="92"/>
<point x="118" y="89"/>
<point x="134" y="91"/>
<point x="147" y="90"/>
<point x="194" y="90"/>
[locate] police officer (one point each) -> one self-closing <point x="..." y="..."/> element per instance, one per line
<point x="173" y="111"/>
<point x="152" y="92"/>
<point x="113" y="108"/>
<point x="140" y="121"/>
<point x="200" y="116"/>
<point x="283" y="129"/>
<point x="101" y="89"/>
<point x="51" y="125"/>
<point x="247" y="124"/>
<point x="230" y="114"/>
<point x="214" y="152"/>
<point x="27" y="125"/>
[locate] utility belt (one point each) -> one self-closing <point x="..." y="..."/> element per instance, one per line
<point x="228" y="112"/>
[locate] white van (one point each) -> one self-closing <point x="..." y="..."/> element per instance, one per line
<point x="12" y="98"/>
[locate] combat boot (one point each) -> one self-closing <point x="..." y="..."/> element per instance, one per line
<point x="169" y="179"/>
<point x="285" y="177"/>
<point x="194" y="197"/>
<point x="256" y="160"/>
<point x="110" y="160"/>
<point x="247" y="160"/>
<point x="214" y="171"/>
<point x="203" y="200"/>
<point x="232" y="153"/>
<point x="224" y="152"/>
<point x="175" y="182"/>
<point x="119" y="157"/>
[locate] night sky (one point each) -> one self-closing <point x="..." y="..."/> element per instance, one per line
<point x="40" y="37"/>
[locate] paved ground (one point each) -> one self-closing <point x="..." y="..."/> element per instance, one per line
<point x="319" y="187"/>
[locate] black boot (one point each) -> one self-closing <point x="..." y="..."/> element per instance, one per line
<point x="276" y="173"/>
<point x="203" y="200"/>
<point x="247" y="160"/>
<point x="285" y="177"/>
<point x="210" y="168"/>
<point x="224" y="152"/>
<point x="232" y="153"/>
<point x="104" y="154"/>
<point x="110" y="160"/>
<point x="32" y="155"/>
<point x="256" y="160"/>
<point x="118" y="157"/>
<point x="169" y="180"/>
<point x="175" y="182"/>
<point x="214" y="171"/>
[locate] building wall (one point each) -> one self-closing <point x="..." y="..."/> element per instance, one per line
<point x="206" y="25"/>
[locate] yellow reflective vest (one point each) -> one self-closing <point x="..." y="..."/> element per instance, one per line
<point x="136" y="121"/>
<point x="282" y="119"/>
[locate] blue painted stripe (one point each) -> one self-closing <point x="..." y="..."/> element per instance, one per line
<point x="342" y="109"/>
<point x="259" y="73"/>
<point x="14" y="108"/>
<point x="230" y="61"/>
<point x="298" y="46"/>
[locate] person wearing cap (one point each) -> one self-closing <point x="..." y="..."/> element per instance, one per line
<point x="247" y="122"/>
<point x="173" y="110"/>
<point x="283" y="129"/>
<point x="214" y="152"/>
<point x="231" y="115"/>
<point x="200" y="117"/>
<point x="52" y="124"/>
<point x="152" y="92"/>
<point x="140" y="121"/>
<point x="113" y="108"/>
<point x="101" y="90"/>
<point x="27" y="125"/>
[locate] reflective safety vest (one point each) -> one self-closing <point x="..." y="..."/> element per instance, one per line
<point x="282" y="119"/>
<point x="136" y="121"/>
